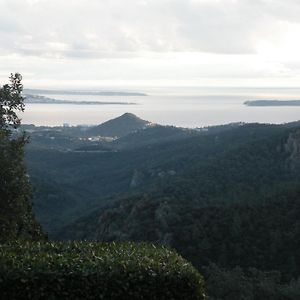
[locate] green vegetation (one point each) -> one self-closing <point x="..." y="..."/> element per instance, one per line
<point x="228" y="195"/>
<point x="250" y="152"/>
<point x="225" y="197"/>
<point x="264" y="235"/>
<point x="95" y="271"/>
<point x="16" y="218"/>
<point x="252" y="284"/>
<point x="234" y="164"/>
<point x="32" y="268"/>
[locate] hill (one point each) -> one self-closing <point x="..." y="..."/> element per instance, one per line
<point x="227" y="195"/>
<point x="98" y="178"/>
<point x="233" y="200"/>
<point x="119" y="126"/>
<point x="152" y="135"/>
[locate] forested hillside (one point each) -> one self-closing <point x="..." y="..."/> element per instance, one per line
<point x="137" y="163"/>
<point x="224" y="195"/>
<point x="32" y="267"/>
<point x="237" y="206"/>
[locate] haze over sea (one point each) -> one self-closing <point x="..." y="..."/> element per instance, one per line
<point x="184" y="107"/>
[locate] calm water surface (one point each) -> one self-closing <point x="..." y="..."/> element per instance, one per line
<point x="186" y="108"/>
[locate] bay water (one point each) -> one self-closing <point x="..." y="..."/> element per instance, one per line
<point x="183" y="107"/>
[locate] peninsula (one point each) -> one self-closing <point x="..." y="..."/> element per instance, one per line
<point x="37" y="99"/>
<point x="273" y="103"/>
<point x="83" y="93"/>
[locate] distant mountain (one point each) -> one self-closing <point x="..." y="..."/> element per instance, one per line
<point x="273" y="103"/>
<point x="83" y="93"/>
<point x="121" y="126"/>
<point x="37" y="99"/>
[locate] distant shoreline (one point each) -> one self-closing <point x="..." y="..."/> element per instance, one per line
<point x="272" y="103"/>
<point x="36" y="99"/>
<point x="82" y="93"/>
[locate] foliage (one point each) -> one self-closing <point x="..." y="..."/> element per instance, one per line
<point x="229" y="195"/>
<point x="16" y="218"/>
<point x="224" y="284"/>
<point x="11" y="101"/>
<point x="95" y="271"/>
<point x="262" y="235"/>
<point x="234" y="201"/>
<point x="61" y="198"/>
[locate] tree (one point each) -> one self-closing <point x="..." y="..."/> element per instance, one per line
<point x="16" y="217"/>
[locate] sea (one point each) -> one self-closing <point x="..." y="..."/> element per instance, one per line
<point x="182" y="107"/>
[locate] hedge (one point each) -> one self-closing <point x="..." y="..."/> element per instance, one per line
<point x="83" y="270"/>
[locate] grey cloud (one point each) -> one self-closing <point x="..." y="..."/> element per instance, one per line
<point x="100" y="29"/>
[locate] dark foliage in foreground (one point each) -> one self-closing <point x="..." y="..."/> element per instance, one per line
<point x="95" y="271"/>
<point x="16" y="217"/>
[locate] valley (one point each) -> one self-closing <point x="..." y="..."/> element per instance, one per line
<point x="203" y="192"/>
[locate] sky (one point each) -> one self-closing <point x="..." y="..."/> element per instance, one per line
<point x="150" y="43"/>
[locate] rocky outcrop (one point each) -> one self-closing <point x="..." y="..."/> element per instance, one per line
<point x="292" y="147"/>
<point x="140" y="178"/>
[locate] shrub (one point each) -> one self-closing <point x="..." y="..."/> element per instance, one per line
<point x="83" y="270"/>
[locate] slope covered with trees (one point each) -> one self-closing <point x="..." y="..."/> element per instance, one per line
<point x="234" y="201"/>
<point x="226" y="198"/>
<point x="33" y="268"/>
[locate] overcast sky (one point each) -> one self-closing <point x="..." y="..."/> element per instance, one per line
<point x="140" y="43"/>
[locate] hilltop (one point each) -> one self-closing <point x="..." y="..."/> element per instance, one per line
<point x="120" y="126"/>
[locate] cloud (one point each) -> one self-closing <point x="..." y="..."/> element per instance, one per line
<point x="94" y="29"/>
<point x="157" y="41"/>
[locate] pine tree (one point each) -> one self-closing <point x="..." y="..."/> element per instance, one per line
<point x="16" y="218"/>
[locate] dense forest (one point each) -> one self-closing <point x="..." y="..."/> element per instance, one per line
<point x="34" y="267"/>
<point x="225" y="197"/>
